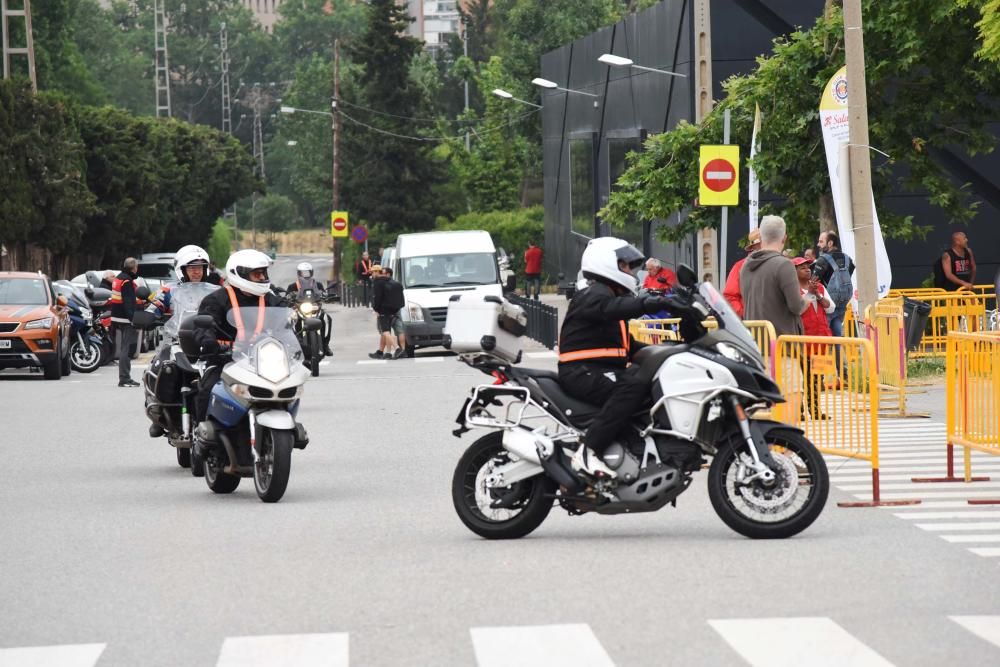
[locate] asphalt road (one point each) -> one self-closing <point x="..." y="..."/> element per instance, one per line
<point x="111" y="551"/>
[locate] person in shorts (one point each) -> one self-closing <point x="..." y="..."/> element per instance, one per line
<point x="387" y="301"/>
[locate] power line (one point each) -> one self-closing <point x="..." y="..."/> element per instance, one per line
<point x="436" y="139"/>
<point x="409" y="118"/>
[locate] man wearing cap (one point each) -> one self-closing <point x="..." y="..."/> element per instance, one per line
<point x="732" y="288"/>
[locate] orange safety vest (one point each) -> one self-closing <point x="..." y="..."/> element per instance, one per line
<point x="601" y="352"/>
<point x="366" y="266"/>
<point x="116" y="291"/>
<point x="241" y="333"/>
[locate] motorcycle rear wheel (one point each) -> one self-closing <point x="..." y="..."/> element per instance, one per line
<point x="775" y="512"/>
<point x="86" y="357"/>
<point x="273" y="466"/>
<point x="471" y="498"/>
<point x="183" y="457"/>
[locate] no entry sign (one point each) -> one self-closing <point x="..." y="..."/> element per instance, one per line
<point x="338" y="224"/>
<point x="720" y="176"/>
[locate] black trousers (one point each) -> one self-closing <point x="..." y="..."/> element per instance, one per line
<point x="205" y="385"/>
<point x="621" y="397"/>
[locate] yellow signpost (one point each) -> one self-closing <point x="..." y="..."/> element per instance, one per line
<point x="339" y="227"/>
<point x="719" y="176"/>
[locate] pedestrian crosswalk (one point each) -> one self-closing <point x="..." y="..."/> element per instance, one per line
<point x="910" y="448"/>
<point x="770" y="642"/>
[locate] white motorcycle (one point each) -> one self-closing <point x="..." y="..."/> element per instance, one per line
<point x="766" y="479"/>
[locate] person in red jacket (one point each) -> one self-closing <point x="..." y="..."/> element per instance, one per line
<point x="532" y="269"/>
<point x="658" y="277"/>
<point x="814" y="323"/>
<point x="732" y="289"/>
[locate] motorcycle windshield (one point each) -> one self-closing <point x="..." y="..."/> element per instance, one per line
<point x="725" y="315"/>
<point x="184" y="301"/>
<point x="269" y="345"/>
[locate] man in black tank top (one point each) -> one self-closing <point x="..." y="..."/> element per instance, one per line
<point x="958" y="263"/>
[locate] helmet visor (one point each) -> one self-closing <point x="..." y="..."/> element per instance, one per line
<point x="254" y="275"/>
<point x="630" y="256"/>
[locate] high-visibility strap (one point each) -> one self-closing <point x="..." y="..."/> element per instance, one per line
<point x="241" y="333"/>
<point x="626" y="340"/>
<point x="597" y="353"/>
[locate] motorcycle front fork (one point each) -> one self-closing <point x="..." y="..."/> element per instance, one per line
<point x="755" y="445"/>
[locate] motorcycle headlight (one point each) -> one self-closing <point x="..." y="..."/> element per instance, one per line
<point x="415" y="311"/>
<point x="734" y="353"/>
<point x="307" y="308"/>
<point x="272" y="361"/>
<point x="44" y="323"/>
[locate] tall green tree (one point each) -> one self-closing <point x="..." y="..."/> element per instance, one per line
<point x="927" y="92"/>
<point x="388" y="178"/>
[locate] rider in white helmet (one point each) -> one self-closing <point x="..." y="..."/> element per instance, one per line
<point x="190" y="266"/>
<point x="595" y="347"/>
<point x="305" y="279"/>
<point x="247" y="286"/>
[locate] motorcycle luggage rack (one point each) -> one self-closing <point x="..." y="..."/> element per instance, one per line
<point x="488" y="394"/>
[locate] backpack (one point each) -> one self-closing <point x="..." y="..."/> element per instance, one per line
<point x="840" y="288"/>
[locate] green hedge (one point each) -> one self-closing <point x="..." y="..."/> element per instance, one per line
<point x="510" y="229"/>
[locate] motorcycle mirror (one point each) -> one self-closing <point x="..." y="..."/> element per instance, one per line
<point x="312" y="324"/>
<point x="204" y="321"/>
<point x="89" y="292"/>
<point x="686" y="276"/>
<point x="62" y="301"/>
<point x="143" y="319"/>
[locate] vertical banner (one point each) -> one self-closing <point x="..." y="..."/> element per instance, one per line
<point x="753" y="185"/>
<point x="835" y="121"/>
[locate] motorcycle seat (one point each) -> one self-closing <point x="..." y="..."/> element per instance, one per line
<point x="536" y="373"/>
<point x="577" y="412"/>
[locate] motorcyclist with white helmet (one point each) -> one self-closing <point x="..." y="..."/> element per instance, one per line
<point x="247" y="286"/>
<point x="595" y="346"/>
<point x="304" y="279"/>
<point x="190" y="266"/>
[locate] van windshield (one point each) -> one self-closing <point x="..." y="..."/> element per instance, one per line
<point x="474" y="268"/>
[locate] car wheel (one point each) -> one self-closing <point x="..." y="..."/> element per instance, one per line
<point x="65" y="364"/>
<point x="51" y="367"/>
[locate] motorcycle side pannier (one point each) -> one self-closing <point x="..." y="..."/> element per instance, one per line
<point x="485" y="324"/>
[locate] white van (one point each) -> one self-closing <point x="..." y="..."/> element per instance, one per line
<point x="432" y="267"/>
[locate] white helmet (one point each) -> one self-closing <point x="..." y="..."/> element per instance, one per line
<point x="600" y="262"/>
<point x="304" y="270"/>
<point x="188" y="255"/>
<point x="238" y="269"/>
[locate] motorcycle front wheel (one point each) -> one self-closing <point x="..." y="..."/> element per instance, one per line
<point x="219" y="481"/>
<point x="784" y="508"/>
<point x="271" y="471"/>
<point x="526" y="503"/>
<point x="183" y="457"/>
<point x="315" y="353"/>
<point x="86" y="357"/>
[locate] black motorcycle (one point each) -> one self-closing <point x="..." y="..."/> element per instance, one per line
<point x="308" y="303"/>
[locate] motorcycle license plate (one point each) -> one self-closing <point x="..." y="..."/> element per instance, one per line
<point x="5" y="344"/>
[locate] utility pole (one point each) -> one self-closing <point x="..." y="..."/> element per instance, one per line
<point x="335" y="278"/>
<point x="227" y="118"/>
<point x="258" y="156"/>
<point x="706" y="250"/>
<point x="465" y="51"/>
<point x="860" y="160"/>
<point x="161" y="61"/>
<point x="28" y="50"/>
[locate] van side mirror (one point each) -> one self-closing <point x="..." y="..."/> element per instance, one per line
<point x="686" y="276"/>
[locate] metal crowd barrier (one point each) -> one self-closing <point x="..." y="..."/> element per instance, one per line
<point x="353" y="296"/>
<point x="654" y="332"/>
<point x="835" y="406"/>
<point x="543" y="320"/>
<point x="973" y="402"/>
<point x="885" y="328"/>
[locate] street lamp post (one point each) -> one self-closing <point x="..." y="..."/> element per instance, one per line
<point x="499" y="92"/>
<point x="618" y="61"/>
<point x="552" y="85"/>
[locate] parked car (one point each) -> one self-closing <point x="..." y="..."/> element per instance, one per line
<point x="155" y="269"/>
<point x="34" y="325"/>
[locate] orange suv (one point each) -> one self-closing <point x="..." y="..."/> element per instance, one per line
<point x="34" y="325"/>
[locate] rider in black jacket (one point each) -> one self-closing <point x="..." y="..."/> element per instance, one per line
<point x="247" y="286"/>
<point x="305" y="279"/>
<point x="595" y="347"/>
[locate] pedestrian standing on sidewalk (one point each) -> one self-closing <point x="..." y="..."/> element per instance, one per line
<point x="363" y="271"/>
<point x="814" y="322"/>
<point x="834" y="268"/>
<point x="731" y="291"/>
<point x="387" y="302"/>
<point x="769" y="284"/>
<point x="957" y="265"/>
<point x="123" y="304"/>
<point x="532" y="269"/>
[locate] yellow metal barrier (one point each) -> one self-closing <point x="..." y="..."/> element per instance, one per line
<point x="954" y="311"/>
<point x="973" y="402"/>
<point x="654" y="332"/>
<point x="884" y="326"/>
<point x="839" y="417"/>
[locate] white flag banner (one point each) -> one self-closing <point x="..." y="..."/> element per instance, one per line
<point x="835" y="121"/>
<point x="753" y="185"/>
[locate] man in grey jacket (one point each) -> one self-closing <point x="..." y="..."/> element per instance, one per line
<point x="769" y="283"/>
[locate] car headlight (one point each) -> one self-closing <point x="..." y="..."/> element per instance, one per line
<point x="734" y="353"/>
<point x="415" y="311"/>
<point x="272" y="361"/>
<point x="44" y="323"/>
<point x="307" y="308"/>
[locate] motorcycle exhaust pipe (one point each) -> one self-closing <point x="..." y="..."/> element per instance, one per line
<point x="521" y="443"/>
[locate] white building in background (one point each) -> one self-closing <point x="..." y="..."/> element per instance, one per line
<point x="434" y="20"/>
<point x="265" y="11"/>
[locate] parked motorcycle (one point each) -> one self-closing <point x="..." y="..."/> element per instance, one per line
<point x="170" y="382"/>
<point x="308" y="304"/>
<point x="766" y="479"/>
<point x="85" y="349"/>
<point x="251" y="429"/>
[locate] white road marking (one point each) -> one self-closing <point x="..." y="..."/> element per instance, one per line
<point x="326" y="650"/>
<point x="984" y="627"/>
<point x="68" y="655"/>
<point x="985" y="525"/>
<point x="978" y="539"/>
<point x="987" y="552"/>
<point x="971" y="514"/>
<point x="429" y="360"/>
<point x="926" y="491"/>
<point x="857" y="468"/>
<point x="372" y="361"/>
<point x="945" y="486"/>
<point x="539" y="646"/>
<point x="907" y="476"/>
<point x="791" y="642"/>
<point x="940" y="505"/>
